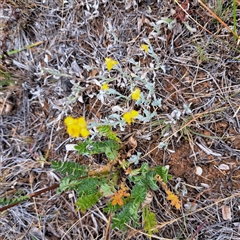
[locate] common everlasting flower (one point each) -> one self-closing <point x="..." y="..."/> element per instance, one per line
<point x="76" y="127"/>
<point x="110" y="63"/>
<point x="144" y="47"/>
<point x="129" y="116"/>
<point x="105" y="87"/>
<point x="136" y="94"/>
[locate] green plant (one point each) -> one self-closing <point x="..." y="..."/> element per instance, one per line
<point x="123" y="182"/>
<point x="6" y="79"/>
<point x="91" y="186"/>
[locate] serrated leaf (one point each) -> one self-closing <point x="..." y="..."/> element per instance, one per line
<point x="152" y="183"/>
<point x="107" y="190"/>
<point x="67" y="184"/>
<point x="87" y="186"/>
<point x="87" y="201"/>
<point x="71" y="168"/>
<point x="163" y="173"/>
<point x="126" y="215"/>
<point x="109" y="147"/>
<point x="139" y="192"/>
<point x="15" y="199"/>
<point x="149" y="220"/>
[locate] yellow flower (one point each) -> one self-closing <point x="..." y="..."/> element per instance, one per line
<point x="144" y="47"/>
<point x="110" y="63"/>
<point x="174" y="199"/>
<point x="76" y="127"/>
<point x="129" y="116"/>
<point x="136" y="94"/>
<point x="105" y="87"/>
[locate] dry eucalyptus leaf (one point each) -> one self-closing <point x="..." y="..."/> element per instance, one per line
<point x="226" y="213"/>
<point x="133" y="144"/>
<point x="5" y="106"/>
<point x="148" y="199"/>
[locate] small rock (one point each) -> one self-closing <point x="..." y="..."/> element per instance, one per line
<point x="199" y="171"/>
<point x="205" y="185"/>
<point x="224" y="167"/>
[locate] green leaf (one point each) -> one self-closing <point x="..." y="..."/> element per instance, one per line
<point x="112" y="209"/>
<point x="15" y="199"/>
<point x="87" y="201"/>
<point x="107" y="132"/>
<point x="71" y="168"/>
<point x="149" y="220"/>
<point x="151" y="181"/>
<point x="163" y="173"/>
<point x="139" y="192"/>
<point x="109" y="147"/>
<point x="107" y="190"/>
<point x="67" y="184"/>
<point x="87" y="186"/>
<point x="128" y="213"/>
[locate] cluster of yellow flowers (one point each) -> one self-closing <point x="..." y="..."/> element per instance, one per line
<point x="76" y="127"/>
<point x="136" y="93"/>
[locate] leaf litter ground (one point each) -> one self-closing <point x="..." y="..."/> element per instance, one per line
<point x="59" y="77"/>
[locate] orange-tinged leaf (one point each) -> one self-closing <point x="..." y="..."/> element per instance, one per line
<point x="174" y="199"/>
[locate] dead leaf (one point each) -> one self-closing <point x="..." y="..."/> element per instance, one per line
<point x="139" y="23"/>
<point x="226" y="212"/>
<point x="132" y="143"/>
<point x="5" y="106"/>
<point x="148" y="199"/>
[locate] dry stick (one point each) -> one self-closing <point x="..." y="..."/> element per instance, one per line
<point x="31" y="195"/>
<point x="176" y="1"/>
<point x="238" y="37"/>
<point x="219" y="19"/>
<point x="56" y="185"/>
<point x="198" y="230"/>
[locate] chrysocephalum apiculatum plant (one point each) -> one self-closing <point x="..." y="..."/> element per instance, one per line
<point x="124" y="183"/>
<point x="127" y="197"/>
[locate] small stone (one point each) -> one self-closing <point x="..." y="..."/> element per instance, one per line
<point x="199" y="171"/>
<point x="224" y="167"/>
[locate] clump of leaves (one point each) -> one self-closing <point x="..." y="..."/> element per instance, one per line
<point x="110" y="146"/>
<point x="125" y="204"/>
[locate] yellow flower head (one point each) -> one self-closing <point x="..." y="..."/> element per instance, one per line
<point x="105" y="87"/>
<point x="136" y="94"/>
<point x="76" y="127"/>
<point x="129" y="116"/>
<point x="110" y="63"/>
<point x="144" y="47"/>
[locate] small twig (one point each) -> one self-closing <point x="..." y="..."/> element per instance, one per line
<point x="31" y="195"/>
<point x="198" y="230"/>
<point x="219" y="19"/>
